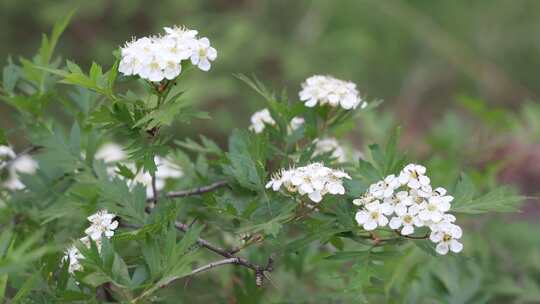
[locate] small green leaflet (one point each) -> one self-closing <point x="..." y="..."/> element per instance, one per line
<point x="466" y="200"/>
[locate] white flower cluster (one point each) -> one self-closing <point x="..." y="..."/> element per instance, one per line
<point x="160" y="57"/>
<point x="327" y="145"/>
<point x="112" y="153"/>
<point x="409" y="201"/>
<point x="102" y="223"/>
<point x="259" y="119"/>
<point x="314" y="180"/>
<point x="15" y="164"/>
<point x="322" y="90"/>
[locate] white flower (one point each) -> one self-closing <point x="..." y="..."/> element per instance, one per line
<point x="399" y="202"/>
<point x="259" y="119"/>
<point x="19" y="164"/>
<point x="446" y="236"/>
<point x="167" y="169"/>
<point x="384" y="188"/>
<point x="6" y="154"/>
<point x="159" y="58"/>
<point x="296" y="122"/>
<point x="332" y="91"/>
<point x="327" y="145"/>
<point x="203" y="54"/>
<point x="110" y="153"/>
<point x="314" y="180"/>
<point x="374" y="215"/>
<point x="74" y="255"/>
<point x="102" y="223"/>
<point x="414" y="176"/>
<point x="415" y="204"/>
<point x="435" y="208"/>
<point x="365" y="199"/>
<point x="407" y="220"/>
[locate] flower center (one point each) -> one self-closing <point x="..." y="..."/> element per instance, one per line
<point x="447" y="237"/>
<point x="432" y="207"/>
<point x="407" y="219"/>
<point x="202" y="53"/>
<point x="374" y="215"/>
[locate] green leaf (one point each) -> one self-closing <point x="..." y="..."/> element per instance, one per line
<point x="501" y="199"/>
<point x="3" y="138"/>
<point x="26" y="288"/>
<point x="10" y="76"/>
<point x="244" y="151"/>
<point x="75" y="139"/>
<point x="348" y="255"/>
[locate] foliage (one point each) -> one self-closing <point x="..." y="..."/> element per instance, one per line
<point x="166" y="239"/>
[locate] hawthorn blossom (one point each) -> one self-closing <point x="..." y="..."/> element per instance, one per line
<point x="407" y="220"/>
<point x="399" y="202"/>
<point x="314" y="180"/>
<point x="101" y="224"/>
<point x="259" y="119"/>
<point x="412" y="202"/>
<point x="73" y="255"/>
<point x="203" y="53"/>
<point x="157" y="58"/>
<point x="435" y="208"/>
<point x="446" y="236"/>
<point x="296" y="122"/>
<point x="110" y="153"/>
<point x="384" y="188"/>
<point x="329" y="145"/>
<point x="322" y="90"/>
<point x="374" y="215"/>
<point x="15" y="164"/>
<point x="413" y="176"/>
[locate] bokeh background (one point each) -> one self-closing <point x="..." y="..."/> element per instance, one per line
<point x="460" y="77"/>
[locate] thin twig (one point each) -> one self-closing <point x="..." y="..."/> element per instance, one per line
<point x="258" y="269"/>
<point x="412" y="236"/>
<point x="154" y="200"/>
<point x="214" y="264"/>
<point x="195" y="191"/>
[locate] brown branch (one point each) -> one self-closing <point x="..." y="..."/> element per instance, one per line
<point x="258" y="269"/>
<point x="412" y="236"/>
<point x="195" y="191"/>
<point x="214" y="264"/>
<point x="154" y="200"/>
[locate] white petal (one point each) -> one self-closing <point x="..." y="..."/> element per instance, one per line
<point x="204" y="64"/>
<point x="311" y="103"/>
<point x="436" y="236"/>
<point x="113" y="225"/>
<point x="400" y="209"/>
<point x="424" y="215"/>
<point x="383" y="221"/>
<point x="315" y="196"/>
<point x="442" y="248"/>
<point x="456" y="246"/>
<point x="407" y="229"/>
<point x="387" y="208"/>
<point x="395" y="223"/>
<point x="370" y="225"/>
<point x="436" y="216"/>
<point x="373" y="206"/>
<point x="361" y="217"/>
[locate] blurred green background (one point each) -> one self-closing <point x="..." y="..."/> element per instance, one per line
<point x="460" y="77"/>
